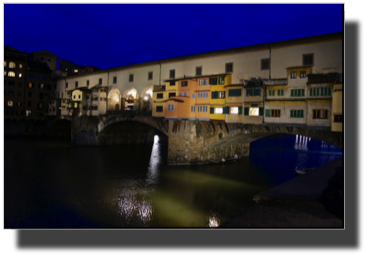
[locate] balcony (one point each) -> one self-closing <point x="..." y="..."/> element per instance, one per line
<point x="275" y="82"/>
<point x="320" y="78"/>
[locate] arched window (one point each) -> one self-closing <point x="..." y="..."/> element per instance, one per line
<point x="12" y="65"/>
<point x="11" y="74"/>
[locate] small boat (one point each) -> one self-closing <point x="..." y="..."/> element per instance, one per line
<point x="303" y="171"/>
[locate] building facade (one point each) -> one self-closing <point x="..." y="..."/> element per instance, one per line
<point x="294" y="82"/>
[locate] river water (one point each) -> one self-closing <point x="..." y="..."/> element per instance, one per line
<point x="49" y="184"/>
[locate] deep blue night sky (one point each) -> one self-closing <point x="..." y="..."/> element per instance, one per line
<point x="120" y="34"/>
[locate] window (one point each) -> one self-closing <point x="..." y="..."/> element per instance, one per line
<point x="221" y="80"/>
<point x="37" y="77"/>
<point x="150" y="75"/>
<point x="221" y="94"/>
<point x="29" y="94"/>
<point x="10" y="103"/>
<point x="41" y="58"/>
<point x="114" y="80"/>
<point x="131" y="78"/>
<point x="253" y="111"/>
<point x="297" y="93"/>
<point x="44" y="77"/>
<point x="41" y="86"/>
<point x="234" y="92"/>
<point x="296" y="114"/>
<point x="95" y="107"/>
<point x="193" y="96"/>
<point x="5" y="63"/>
<point x="234" y="110"/>
<point x="76" y="84"/>
<point x="293" y="75"/>
<point x="11" y="74"/>
<point x="172" y="74"/>
<point x="87" y="97"/>
<point x="10" y="83"/>
<point x="253" y="92"/>
<point x="76" y="71"/>
<point x="320" y="114"/>
<point x="202" y="82"/>
<point x="274" y="113"/>
<point x="213" y="81"/>
<point x="28" y="103"/>
<point x="12" y="65"/>
<point x="265" y="64"/>
<point x="280" y="92"/>
<point x="29" y="85"/>
<point x="66" y="85"/>
<point x="170" y="107"/>
<point x="48" y="59"/>
<point x="159" y="109"/>
<point x="5" y="73"/>
<point x="180" y="94"/>
<point x="323" y="91"/>
<point x="308" y="59"/>
<point x="172" y="83"/>
<point x="41" y="95"/>
<point x="218" y="110"/>
<point x="203" y="95"/>
<point x="214" y="95"/>
<point x="202" y="108"/>
<point x="20" y="75"/>
<point x="171" y="94"/>
<point x="87" y="82"/>
<point x="193" y="109"/>
<point x="198" y="70"/>
<point x="160" y="96"/>
<point x="184" y="83"/>
<point x="229" y="67"/>
<point x="100" y="81"/>
<point x="303" y="75"/>
<point x="338" y="118"/>
<point x="28" y="113"/>
<point x="185" y="94"/>
<point x="20" y="66"/>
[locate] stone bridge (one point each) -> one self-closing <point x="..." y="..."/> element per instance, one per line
<point x="189" y="142"/>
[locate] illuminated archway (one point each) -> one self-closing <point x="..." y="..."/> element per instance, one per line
<point x="114" y="99"/>
<point x="130" y="98"/>
<point x="147" y="98"/>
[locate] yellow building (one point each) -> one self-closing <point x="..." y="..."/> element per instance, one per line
<point x="161" y="98"/>
<point x="218" y="95"/>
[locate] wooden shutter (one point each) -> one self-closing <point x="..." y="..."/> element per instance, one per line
<point x="211" y="110"/>
<point x="267" y="113"/>
<point x="261" y="111"/>
<point x="226" y="110"/>
<point x="246" y="111"/>
<point x="240" y="110"/>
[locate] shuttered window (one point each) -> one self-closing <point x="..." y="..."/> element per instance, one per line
<point x="296" y="114"/>
<point x="221" y="80"/>
<point x="213" y="81"/>
<point x="226" y="110"/>
<point x="214" y="95"/>
<point x="235" y="92"/>
<point x="280" y="92"/>
<point x="253" y="92"/>
<point x="240" y="110"/>
<point x="271" y="92"/>
<point x="297" y="92"/>
<point x="211" y="110"/>
<point x="267" y="113"/>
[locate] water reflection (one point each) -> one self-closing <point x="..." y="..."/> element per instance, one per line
<point x="155" y="160"/>
<point x="214" y="222"/>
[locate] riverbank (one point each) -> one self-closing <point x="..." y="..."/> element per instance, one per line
<point x="294" y="204"/>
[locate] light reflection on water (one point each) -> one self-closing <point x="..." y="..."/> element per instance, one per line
<point x="131" y="186"/>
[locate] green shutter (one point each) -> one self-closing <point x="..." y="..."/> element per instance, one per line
<point x="239" y="110"/>
<point x="291" y="113"/>
<point x="249" y="92"/>
<point x="261" y="111"/>
<point x="214" y="95"/>
<point x="235" y="92"/>
<point x="246" y="111"/>
<point x="211" y="110"/>
<point x="226" y="110"/>
<point x="292" y="93"/>
<point x="303" y="91"/>
<point x="301" y="113"/>
<point x="258" y="92"/>
<point x="267" y="113"/>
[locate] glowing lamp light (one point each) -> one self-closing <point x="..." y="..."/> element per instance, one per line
<point x="117" y="100"/>
<point x="145" y="98"/>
